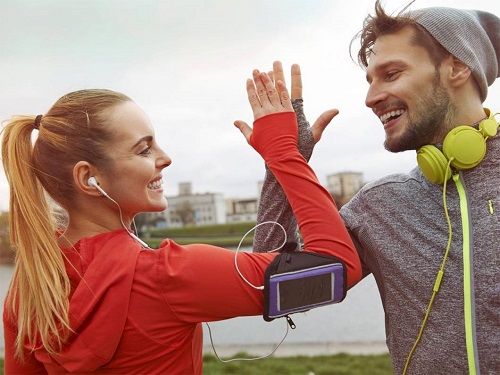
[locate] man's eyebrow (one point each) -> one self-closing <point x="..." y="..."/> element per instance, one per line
<point x="382" y="67"/>
<point x="147" y="138"/>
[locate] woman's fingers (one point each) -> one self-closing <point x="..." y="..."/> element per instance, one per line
<point x="244" y="129"/>
<point x="271" y="92"/>
<point x="259" y="86"/>
<point x="285" y="100"/>
<point x="253" y="99"/>
<point x="267" y="97"/>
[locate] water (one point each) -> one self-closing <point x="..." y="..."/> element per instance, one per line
<point x="355" y="325"/>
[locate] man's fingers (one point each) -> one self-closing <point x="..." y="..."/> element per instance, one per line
<point x="278" y="72"/>
<point x="271" y="76"/>
<point x="296" y="82"/>
<point x="279" y="75"/>
<point x="322" y="122"/>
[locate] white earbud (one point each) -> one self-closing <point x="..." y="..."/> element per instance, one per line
<point x="93" y="182"/>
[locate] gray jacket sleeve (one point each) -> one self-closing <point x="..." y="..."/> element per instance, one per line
<point x="274" y="206"/>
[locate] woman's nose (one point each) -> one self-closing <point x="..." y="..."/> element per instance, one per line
<point x="163" y="160"/>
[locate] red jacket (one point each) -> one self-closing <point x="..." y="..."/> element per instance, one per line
<point x="138" y="311"/>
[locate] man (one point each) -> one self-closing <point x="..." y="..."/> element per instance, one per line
<point x="432" y="243"/>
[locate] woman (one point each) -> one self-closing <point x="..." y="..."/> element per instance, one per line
<point x="92" y="299"/>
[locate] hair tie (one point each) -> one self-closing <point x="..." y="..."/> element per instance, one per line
<point x="36" y="125"/>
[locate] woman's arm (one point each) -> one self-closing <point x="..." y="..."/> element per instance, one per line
<point x="275" y="137"/>
<point x="273" y="204"/>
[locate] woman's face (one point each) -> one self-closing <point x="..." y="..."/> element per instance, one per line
<point x="134" y="178"/>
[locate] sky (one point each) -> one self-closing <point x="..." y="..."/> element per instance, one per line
<point x="186" y="62"/>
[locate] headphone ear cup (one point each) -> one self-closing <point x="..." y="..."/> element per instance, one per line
<point x="433" y="164"/>
<point x="488" y="127"/>
<point x="466" y="146"/>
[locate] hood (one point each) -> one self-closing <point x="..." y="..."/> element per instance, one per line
<point x="101" y="269"/>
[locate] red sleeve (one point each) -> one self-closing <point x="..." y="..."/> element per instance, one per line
<point x="11" y="364"/>
<point x="275" y="138"/>
<point x="200" y="282"/>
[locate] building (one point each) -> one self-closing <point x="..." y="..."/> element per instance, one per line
<point x="194" y="209"/>
<point x="189" y="209"/>
<point x="344" y="185"/>
<point x="241" y="210"/>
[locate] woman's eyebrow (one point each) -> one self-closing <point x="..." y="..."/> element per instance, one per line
<point x="147" y="138"/>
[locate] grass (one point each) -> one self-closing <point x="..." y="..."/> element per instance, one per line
<point x="344" y="364"/>
<point x="225" y="235"/>
<point x="237" y="229"/>
<point x="226" y="241"/>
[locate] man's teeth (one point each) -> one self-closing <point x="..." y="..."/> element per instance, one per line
<point x="388" y="115"/>
<point x="155" y="185"/>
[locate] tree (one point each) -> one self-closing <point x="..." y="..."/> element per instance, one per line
<point x="141" y="221"/>
<point x="6" y="253"/>
<point x="185" y="212"/>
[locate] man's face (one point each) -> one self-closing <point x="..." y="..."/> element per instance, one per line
<point x="406" y="93"/>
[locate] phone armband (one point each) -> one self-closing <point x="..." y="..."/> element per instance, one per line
<point x="299" y="281"/>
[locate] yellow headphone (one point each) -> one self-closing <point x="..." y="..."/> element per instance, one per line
<point x="464" y="145"/>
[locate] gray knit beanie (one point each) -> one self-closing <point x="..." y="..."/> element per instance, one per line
<point x="473" y="36"/>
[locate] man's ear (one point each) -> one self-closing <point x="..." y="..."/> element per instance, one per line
<point x="459" y="72"/>
<point x="82" y="171"/>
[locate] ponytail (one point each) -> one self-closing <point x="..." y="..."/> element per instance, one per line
<point x="75" y="128"/>
<point x="38" y="297"/>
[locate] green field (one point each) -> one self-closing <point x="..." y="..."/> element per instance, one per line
<point x="344" y="364"/>
<point x="225" y="235"/>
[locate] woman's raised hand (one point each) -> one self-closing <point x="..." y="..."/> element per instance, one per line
<point x="265" y="97"/>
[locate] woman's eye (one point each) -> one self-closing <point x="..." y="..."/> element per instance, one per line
<point x="146" y="151"/>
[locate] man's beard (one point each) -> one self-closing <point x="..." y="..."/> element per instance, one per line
<point x="427" y="121"/>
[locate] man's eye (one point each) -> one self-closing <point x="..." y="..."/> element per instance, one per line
<point x="392" y="74"/>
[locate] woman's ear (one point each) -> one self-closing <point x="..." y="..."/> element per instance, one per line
<point x="82" y="171"/>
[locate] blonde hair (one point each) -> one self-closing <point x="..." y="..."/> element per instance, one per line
<point x="74" y="129"/>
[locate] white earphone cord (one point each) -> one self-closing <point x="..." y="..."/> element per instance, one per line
<point x="255" y="287"/>
<point x="92" y="181"/>
<point x="270" y="251"/>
